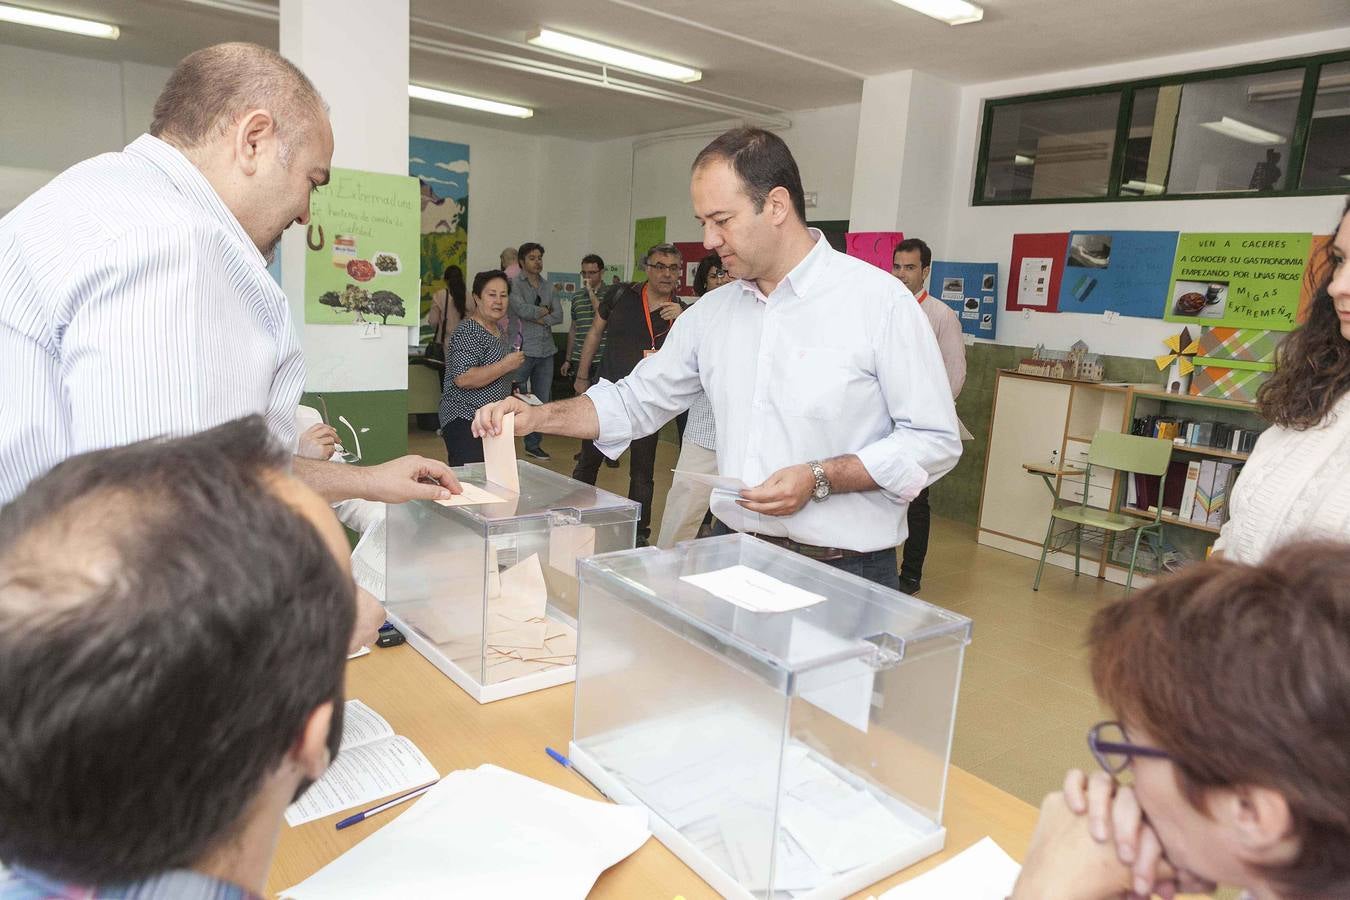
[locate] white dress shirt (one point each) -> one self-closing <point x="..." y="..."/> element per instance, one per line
<point x="132" y="305"/>
<point x="793" y="377"/>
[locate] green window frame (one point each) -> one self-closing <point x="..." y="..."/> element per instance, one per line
<point x="1312" y="70"/>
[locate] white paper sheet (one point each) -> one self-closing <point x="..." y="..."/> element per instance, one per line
<point x="364" y="651"/>
<point x="485" y="832"/>
<point x="716" y="482"/>
<point x="843" y="689"/>
<point x="473" y="495"/>
<point x="499" y="456"/>
<point x="982" y="871"/>
<point x="1033" y="287"/>
<point x="753" y="590"/>
<point x="567" y="544"/>
<point x="368" y="560"/>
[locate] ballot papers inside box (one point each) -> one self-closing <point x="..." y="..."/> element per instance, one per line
<point x="486" y="589"/>
<point x="787" y="725"/>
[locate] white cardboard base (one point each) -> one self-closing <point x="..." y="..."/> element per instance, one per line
<point x="483" y="693"/>
<point x="725" y="883"/>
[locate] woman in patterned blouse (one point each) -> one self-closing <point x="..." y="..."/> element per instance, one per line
<point x="478" y="366"/>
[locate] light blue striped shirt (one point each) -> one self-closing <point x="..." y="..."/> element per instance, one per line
<point x="132" y="305"/>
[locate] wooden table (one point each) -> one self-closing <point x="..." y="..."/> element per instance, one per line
<point x="455" y="732"/>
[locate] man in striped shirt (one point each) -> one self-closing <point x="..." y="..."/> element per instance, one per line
<point x="136" y="300"/>
<point x="584" y="302"/>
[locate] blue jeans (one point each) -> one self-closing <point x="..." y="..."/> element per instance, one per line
<point x="879" y="566"/>
<point x="536" y="376"/>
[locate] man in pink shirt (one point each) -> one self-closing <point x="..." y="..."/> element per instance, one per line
<point x="910" y="264"/>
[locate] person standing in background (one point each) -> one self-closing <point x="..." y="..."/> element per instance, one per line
<point x="911" y="264"/>
<point x="584" y="303"/>
<point x="478" y="368"/>
<point x="534" y="311"/>
<point x="447" y="308"/>
<point x="510" y="262"/>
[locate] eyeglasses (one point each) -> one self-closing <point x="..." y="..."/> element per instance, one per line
<point x="718" y="273"/>
<point x="673" y="268"/>
<point x="1113" y="752"/>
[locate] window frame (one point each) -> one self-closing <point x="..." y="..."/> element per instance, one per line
<point x="1312" y="71"/>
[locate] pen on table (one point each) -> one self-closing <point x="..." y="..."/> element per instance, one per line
<point x="567" y="764"/>
<point x="388" y="804"/>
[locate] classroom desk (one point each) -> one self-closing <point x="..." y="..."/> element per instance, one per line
<point x="455" y="732"/>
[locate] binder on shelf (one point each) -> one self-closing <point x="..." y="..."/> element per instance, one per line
<point x="1188" y="490"/>
<point x="1218" y="498"/>
<point x="1204" y="492"/>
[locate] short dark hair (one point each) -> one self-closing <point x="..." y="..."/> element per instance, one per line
<point x="909" y="245"/>
<point x="762" y="160"/>
<point x="168" y="623"/>
<point x="705" y="267"/>
<point x="482" y="279"/>
<point x="529" y="247"/>
<point x="664" y="248"/>
<point x="1239" y="673"/>
<point x="595" y="259"/>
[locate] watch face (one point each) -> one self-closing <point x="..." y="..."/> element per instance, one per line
<point x="822" y="492"/>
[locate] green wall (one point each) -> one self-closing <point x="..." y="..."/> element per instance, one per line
<point x="385" y="413"/>
<point x="957" y="495"/>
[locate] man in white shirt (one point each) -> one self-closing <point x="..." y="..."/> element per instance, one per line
<point x="911" y="263"/>
<point x="838" y="427"/>
<point x="136" y="300"/>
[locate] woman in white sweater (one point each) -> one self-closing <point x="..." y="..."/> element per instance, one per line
<point x="1297" y="482"/>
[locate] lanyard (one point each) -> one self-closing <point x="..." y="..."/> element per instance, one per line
<point x="923" y="295"/>
<point x="647" y="317"/>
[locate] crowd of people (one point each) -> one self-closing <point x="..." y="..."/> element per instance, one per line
<point x="163" y="527"/>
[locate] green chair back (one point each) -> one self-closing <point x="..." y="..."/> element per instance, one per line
<point x="1130" y="453"/>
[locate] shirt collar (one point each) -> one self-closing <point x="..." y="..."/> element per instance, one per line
<point x="805" y="273"/>
<point x="192" y="184"/>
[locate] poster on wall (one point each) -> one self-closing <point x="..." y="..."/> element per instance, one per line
<point x="875" y="247"/>
<point x="971" y="290"/>
<point x="646" y="232"/>
<point x="1238" y="280"/>
<point x="442" y="172"/>
<point x="1036" y="271"/>
<point x="692" y="252"/>
<point x="613" y="273"/>
<point x="361" y="264"/>
<point x="565" y="284"/>
<point x="1125" y="272"/>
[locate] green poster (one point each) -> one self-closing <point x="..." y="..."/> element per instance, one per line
<point x="646" y="232"/>
<point x="613" y="273"/>
<point x="363" y="263"/>
<point x="1238" y="280"/>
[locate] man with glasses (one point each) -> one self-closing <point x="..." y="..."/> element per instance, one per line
<point x="1230" y="764"/>
<point x="584" y="303"/>
<point x="633" y="321"/>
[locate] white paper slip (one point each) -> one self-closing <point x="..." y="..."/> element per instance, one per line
<point x="368" y="565"/>
<point x="485" y="832"/>
<point x="499" y="456"/>
<point x="364" y="651"/>
<point x="983" y="871"/>
<point x="473" y="496"/>
<point x="753" y="590"/>
<point x="716" y="482"/>
<point x="372" y="762"/>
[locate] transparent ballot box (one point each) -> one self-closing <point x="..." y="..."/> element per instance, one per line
<point x="488" y="593"/>
<point x="787" y="725"/>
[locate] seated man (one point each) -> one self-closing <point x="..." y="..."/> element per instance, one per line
<point x="172" y="678"/>
<point x="1232" y="686"/>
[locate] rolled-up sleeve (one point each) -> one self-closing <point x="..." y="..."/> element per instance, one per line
<point x="661" y="387"/>
<point x="925" y="442"/>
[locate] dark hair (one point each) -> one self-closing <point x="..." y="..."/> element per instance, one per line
<point x="1313" y="363"/>
<point x="527" y="248"/>
<point x="762" y="160"/>
<point x="454" y="286"/>
<point x="909" y="245"/>
<point x="210" y="89"/>
<point x="593" y="258"/>
<point x="1239" y="673"/>
<point x="664" y="248"/>
<point x="482" y="279"/>
<point x="705" y="267"/>
<point x="168" y="624"/>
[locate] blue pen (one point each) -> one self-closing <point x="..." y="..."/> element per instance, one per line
<point x="558" y="757"/>
<point x="362" y="816"/>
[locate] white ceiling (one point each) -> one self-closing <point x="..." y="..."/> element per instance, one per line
<point x="758" y="56"/>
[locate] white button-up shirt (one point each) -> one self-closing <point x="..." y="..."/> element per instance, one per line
<point x="838" y="360"/>
<point x="132" y="305"/>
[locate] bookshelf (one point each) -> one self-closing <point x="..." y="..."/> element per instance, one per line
<point x="1169" y="519"/>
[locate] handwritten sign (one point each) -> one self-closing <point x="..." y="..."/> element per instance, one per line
<point x="1238" y="280"/>
<point x="363" y="258"/>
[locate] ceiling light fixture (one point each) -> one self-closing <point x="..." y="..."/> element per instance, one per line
<point x="613" y="56"/>
<point x="1020" y="160"/>
<point x="69" y="24"/>
<point x="1142" y="187"/>
<point x="418" y="92"/>
<point x="953" y="12"/>
<point x="1236" y="128"/>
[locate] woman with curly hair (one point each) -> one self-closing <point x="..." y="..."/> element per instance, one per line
<point x="1296" y="483"/>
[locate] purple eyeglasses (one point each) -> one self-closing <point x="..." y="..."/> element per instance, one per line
<point x="1113" y="752"/>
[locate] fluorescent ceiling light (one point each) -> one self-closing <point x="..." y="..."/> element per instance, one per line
<point x="1235" y="128"/>
<point x="1020" y="160"/>
<point x="953" y="12"/>
<point x="613" y="56"/>
<point x="69" y="24"/>
<point x="1143" y="187"/>
<point x="1346" y="177"/>
<point x="419" y="92"/>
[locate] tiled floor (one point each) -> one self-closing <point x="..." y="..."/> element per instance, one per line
<point x="1026" y="698"/>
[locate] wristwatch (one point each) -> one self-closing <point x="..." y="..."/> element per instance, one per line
<point x="822" y="489"/>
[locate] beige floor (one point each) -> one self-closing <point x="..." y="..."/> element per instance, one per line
<point x="1026" y="699"/>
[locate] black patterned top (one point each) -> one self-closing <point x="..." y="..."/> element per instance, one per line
<point x="471" y="346"/>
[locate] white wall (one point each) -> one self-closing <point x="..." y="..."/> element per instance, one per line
<point x="984" y="233"/>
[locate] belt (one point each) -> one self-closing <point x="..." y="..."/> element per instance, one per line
<point x="823" y="554"/>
